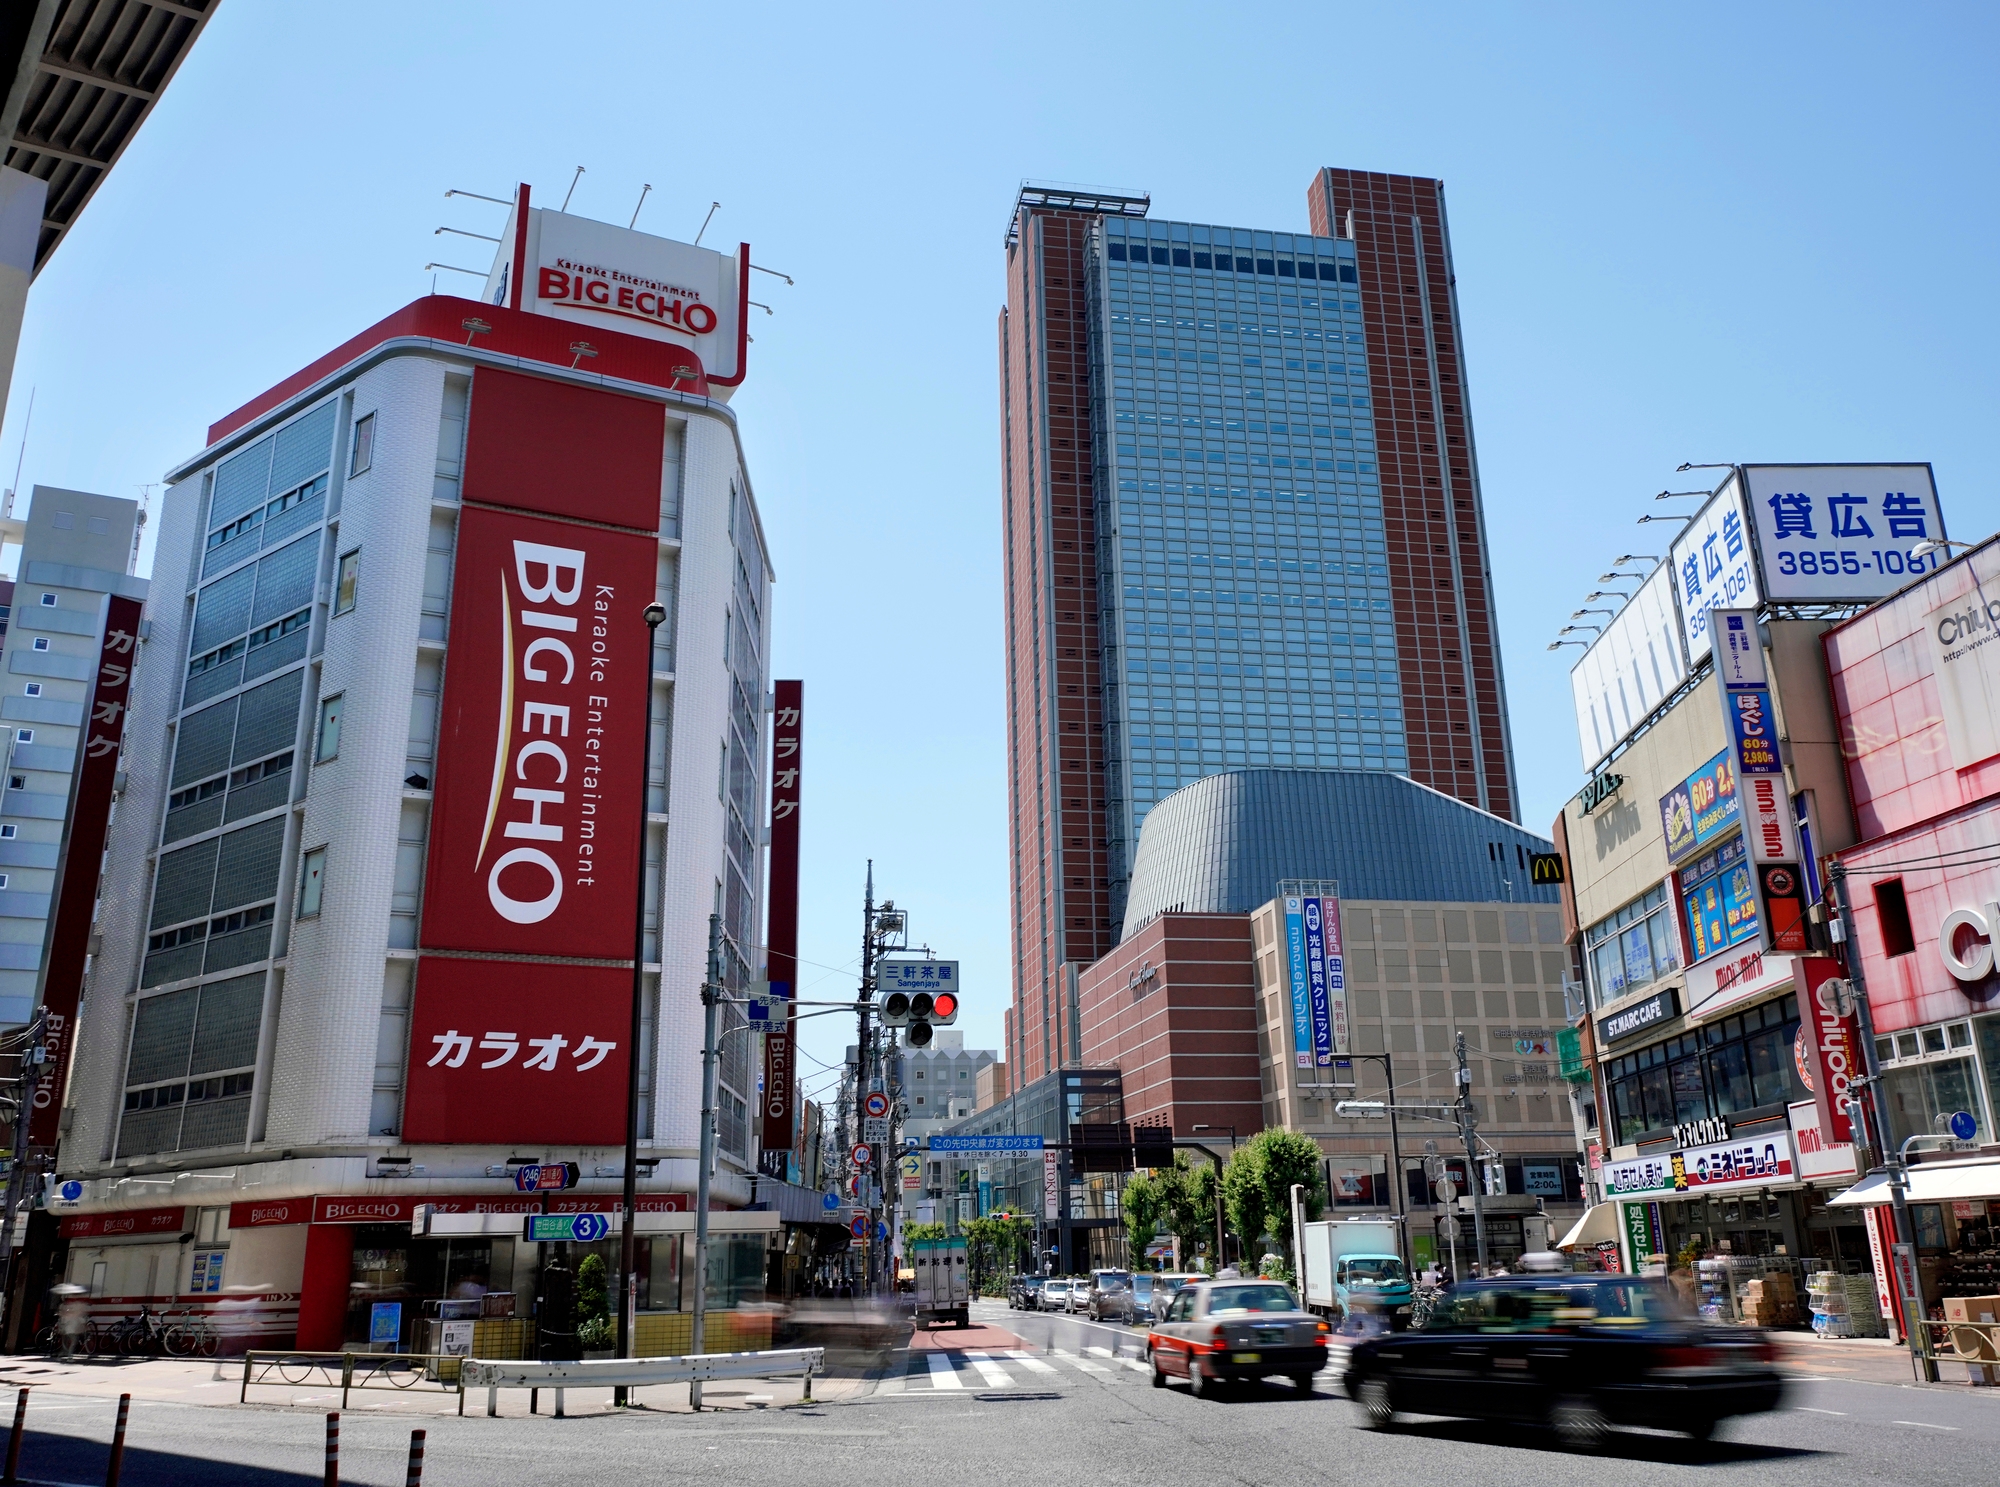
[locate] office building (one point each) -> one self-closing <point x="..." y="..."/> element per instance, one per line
<point x="372" y="891"/>
<point x="1243" y="529"/>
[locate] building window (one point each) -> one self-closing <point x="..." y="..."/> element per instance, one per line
<point x="34" y="689"/>
<point x="364" y="444"/>
<point x="326" y="741"/>
<point x="1892" y="914"/>
<point x="48" y="601"/>
<point x="1632" y="948"/>
<point x="17" y="782"/>
<point x="41" y="642"/>
<point x="312" y="882"/>
<point x="24" y="735"/>
<point x="8" y="833"/>
<point x="346" y="581"/>
<point x="1725" y="1068"/>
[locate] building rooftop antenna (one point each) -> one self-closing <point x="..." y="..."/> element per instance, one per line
<point x="26" y="424"/>
<point x="572" y="189"/>
<point x="713" y="208"/>
<point x="139" y="527"/>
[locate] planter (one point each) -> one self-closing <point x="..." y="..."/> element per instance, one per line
<point x="591" y="1355"/>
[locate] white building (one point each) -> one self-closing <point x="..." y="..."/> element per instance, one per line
<point x="369" y="908"/>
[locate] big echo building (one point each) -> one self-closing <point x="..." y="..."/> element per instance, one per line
<point x="390" y="809"/>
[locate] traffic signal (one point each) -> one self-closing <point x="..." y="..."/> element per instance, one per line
<point x="896" y="1009"/>
<point x="920" y="1012"/>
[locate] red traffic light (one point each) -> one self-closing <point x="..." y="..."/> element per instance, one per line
<point x="944" y="1006"/>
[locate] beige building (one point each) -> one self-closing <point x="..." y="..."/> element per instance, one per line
<point x="1417" y="975"/>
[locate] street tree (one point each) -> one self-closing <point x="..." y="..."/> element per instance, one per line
<point x="1257" y="1184"/>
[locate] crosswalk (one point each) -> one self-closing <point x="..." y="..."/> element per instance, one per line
<point x="948" y="1370"/>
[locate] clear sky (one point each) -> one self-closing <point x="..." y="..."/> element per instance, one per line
<point x="1698" y="232"/>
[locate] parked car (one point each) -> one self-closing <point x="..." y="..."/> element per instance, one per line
<point x="1579" y="1353"/>
<point x="1109" y="1296"/>
<point x="1055" y="1293"/>
<point x="1166" y="1286"/>
<point x="1225" y="1330"/>
<point x="1024" y="1293"/>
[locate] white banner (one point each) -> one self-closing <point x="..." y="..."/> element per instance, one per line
<point x="1630" y="669"/>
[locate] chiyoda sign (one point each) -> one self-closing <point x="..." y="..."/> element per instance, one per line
<point x="534" y="842"/>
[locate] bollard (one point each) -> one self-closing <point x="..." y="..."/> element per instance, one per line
<point x="415" y="1478"/>
<point x="14" y="1440"/>
<point x="117" y="1463"/>
<point x="333" y="1448"/>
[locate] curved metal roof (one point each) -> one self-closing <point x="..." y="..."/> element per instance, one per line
<point x="1222" y="844"/>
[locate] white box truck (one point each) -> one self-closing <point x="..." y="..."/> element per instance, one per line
<point x="943" y="1287"/>
<point x="1356" y="1266"/>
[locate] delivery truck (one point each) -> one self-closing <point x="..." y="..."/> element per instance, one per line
<point x="943" y="1287"/>
<point x="1354" y="1269"/>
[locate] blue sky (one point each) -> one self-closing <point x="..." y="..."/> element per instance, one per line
<point x="1681" y="233"/>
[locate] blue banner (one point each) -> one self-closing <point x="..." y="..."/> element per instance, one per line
<point x="1295" y="953"/>
<point x="1322" y="1015"/>
<point x="984" y="1143"/>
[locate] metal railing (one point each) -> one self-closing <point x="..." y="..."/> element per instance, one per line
<point x="635" y="1373"/>
<point x="1971" y="1343"/>
<point x="420" y="1373"/>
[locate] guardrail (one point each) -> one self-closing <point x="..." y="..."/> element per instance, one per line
<point x="1975" y="1344"/>
<point x="632" y="1373"/>
<point x="422" y="1373"/>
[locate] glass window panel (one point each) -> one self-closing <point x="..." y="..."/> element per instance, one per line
<point x="1729" y="1078"/>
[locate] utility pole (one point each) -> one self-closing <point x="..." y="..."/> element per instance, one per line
<point x="711" y="1006"/>
<point x="1466" y="1121"/>
<point x="1879" y="1135"/>
<point x="17" y="1171"/>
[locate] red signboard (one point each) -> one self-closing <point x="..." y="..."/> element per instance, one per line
<point x="562" y="450"/>
<point x="787" y="734"/>
<point x="1835" y="1040"/>
<point x="82" y="859"/>
<point x="504" y="1053"/>
<point x="129" y="1221"/>
<point x="262" y="1215"/>
<point x="544" y="702"/>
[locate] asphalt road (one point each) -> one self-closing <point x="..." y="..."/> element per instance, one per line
<point x="1036" y="1399"/>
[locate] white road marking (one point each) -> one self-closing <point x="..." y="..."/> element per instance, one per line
<point x="1029" y="1361"/>
<point x="1923" y="1424"/>
<point x="943" y="1375"/>
<point x="1082" y="1364"/>
<point x="1809" y="1410"/>
<point x="996" y="1377"/>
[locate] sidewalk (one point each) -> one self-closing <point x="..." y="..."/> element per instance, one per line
<point x="1871" y="1360"/>
<point x="218" y="1381"/>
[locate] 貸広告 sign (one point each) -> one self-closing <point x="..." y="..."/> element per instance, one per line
<point x="1842" y="533"/>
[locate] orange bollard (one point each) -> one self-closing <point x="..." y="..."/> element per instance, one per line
<point x="333" y="1448"/>
<point x="117" y="1463"/>
<point x="415" y="1477"/>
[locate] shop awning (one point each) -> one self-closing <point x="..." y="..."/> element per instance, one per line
<point x="1599" y="1226"/>
<point x="1929" y="1182"/>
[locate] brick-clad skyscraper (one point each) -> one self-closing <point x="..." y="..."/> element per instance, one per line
<point x="1209" y="563"/>
<point x="1454" y="697"/>
<point x="1055" y="760"/>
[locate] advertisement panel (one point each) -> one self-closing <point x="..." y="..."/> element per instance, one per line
<point x="1700" y="809"/>
<point x="80" y="863"/>
<point x="1750" y="1162"/>
<point x="782" y="934"/>
<point x="1830" y="1032"/>
<point x="1713" y="567"/>
<point x="544" y="706"/>
<point x="1965" y="659"/>
<point x="1819" y="1158"/>
<point x="1630" y="669"/>
<point x="1295" y="959"/>
<point x="529" y="1053"/>
<point x="1639" y="1175"/>
<point x="1324" y="976"/>
<point x="1720" y="897"/>
<point x="1841" y="533"/>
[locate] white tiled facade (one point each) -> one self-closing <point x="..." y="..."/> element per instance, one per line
<point x="325" y="1089"/>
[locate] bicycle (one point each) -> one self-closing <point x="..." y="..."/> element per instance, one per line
<point x="138" y="1334"/>
<point x="190" y="1334"/>
<point x="1422" y="1303"/>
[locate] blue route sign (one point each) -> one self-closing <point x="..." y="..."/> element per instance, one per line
<point x="563" y="1228"/>
<point x="985" y="1143"/>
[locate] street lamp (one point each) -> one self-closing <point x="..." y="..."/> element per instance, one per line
<point x="1221" y="1239"/>
<point x="1396" y="1183"/>
<point x="1935" y="544"/>
<point x="1556" y="645"/>
<point x="1634" y="557"/>
<point x="1650" y="517"/>
<point x="1605" y="594"/>
<point x="1677" y="495"/>
<point x="628" y="1243"/>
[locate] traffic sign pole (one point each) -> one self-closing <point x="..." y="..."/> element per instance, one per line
<point x="711" y="992"/>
